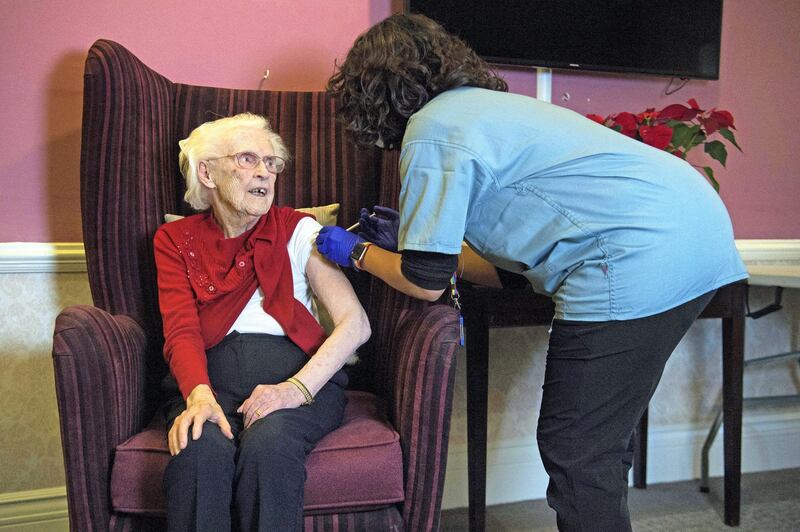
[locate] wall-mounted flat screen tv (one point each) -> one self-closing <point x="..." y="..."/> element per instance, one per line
<point x="662" y="37"/>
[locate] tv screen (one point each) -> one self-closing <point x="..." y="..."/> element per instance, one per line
<point x="662" y="37"/>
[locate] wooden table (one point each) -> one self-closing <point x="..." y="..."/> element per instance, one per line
<point x="484" y="308"/>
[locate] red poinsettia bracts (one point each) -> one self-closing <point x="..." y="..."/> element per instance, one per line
<point x="656" y="136"/>
<point x="677" y="129"/>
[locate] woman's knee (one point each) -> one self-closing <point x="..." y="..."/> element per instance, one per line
<point x="212" y="447"/>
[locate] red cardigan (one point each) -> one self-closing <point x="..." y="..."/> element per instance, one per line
<point x="205" y="280"/>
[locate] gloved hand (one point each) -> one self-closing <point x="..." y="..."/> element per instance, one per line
<point x="382" y="229"/>
<point x="337" y="244"/>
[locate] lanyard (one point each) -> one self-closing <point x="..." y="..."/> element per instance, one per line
<point x="454" y="298"/>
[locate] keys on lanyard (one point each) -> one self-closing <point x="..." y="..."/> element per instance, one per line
<point x="454" y="298"/>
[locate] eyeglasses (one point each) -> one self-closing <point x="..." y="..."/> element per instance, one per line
<point x="247" y="160"/>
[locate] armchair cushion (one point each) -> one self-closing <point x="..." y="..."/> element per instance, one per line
<point x="341" y="469"/>
<point x="325" y="214"/>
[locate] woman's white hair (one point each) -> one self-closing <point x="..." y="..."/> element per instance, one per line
<point x="208" y="140"/>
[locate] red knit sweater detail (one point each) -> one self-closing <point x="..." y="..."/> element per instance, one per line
<point x="205" y="280"/>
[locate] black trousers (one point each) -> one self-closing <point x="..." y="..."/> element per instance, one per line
<point x="599" y="378"/>
<point x="256" y="481"/>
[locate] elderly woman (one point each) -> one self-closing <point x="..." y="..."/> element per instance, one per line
<point x="260" y="382"/>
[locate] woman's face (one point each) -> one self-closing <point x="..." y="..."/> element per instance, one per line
<point x="240" y="192"/>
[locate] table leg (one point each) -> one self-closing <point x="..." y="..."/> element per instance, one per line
<point x="732" y="375"/>
<point x="477" y="344"/>
<point x="640" y="453"/>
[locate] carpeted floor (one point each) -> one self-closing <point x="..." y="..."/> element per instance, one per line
<point x="770" y="503"/>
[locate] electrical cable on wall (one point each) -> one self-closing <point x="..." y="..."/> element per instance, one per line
<point x="667" y="90"/>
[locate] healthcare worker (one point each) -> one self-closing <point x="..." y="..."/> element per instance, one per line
<point x="630" y="242"/>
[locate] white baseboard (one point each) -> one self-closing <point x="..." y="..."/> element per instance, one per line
<point x="515" y="471"/>
<point x="42" y="510"/>
<point x="769" y="250"/>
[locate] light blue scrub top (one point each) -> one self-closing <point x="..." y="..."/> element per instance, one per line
<point x="609" y="227"/>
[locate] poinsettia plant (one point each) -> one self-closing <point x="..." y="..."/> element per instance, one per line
<point x="678" y="129"/>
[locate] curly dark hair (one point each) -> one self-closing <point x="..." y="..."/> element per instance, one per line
<point x="398" y="66"/>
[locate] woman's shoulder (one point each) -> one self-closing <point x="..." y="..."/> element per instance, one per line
<point x="454" y="116"/>
<point x="174" y="220"/>
<point x="182" y="224"/>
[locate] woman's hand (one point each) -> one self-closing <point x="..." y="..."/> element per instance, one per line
<point x="267" y="398"/>
<point x="381" y="229"/>
<point x="201" y="406"/>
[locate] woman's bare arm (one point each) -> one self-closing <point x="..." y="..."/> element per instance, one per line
<point x="351" y="327"/>
<point x="475" y="269"/>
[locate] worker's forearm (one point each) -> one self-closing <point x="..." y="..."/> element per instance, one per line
<point x="475" y="269"/>
<point x="386" y="265"/>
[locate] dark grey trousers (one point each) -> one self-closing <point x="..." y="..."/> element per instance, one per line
<point x="255" y="482"/>
<point x="599" y="378"/>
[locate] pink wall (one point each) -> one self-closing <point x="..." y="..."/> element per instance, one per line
<point x="231" y="43"/>
<point x="759" y="83"/>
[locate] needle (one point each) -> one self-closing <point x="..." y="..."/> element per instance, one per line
<point x="356" y="225"/>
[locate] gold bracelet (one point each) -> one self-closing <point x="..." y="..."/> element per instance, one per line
<point x="302" y="387"/>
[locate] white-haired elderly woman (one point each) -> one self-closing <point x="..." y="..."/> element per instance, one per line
<point x="260" y="382"/>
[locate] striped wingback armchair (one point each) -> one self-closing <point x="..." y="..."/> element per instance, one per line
<point x="384" y="468"/>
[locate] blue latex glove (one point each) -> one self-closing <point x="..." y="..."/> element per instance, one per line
<point x="337" y="244"/>
<point x="381" y="229"/>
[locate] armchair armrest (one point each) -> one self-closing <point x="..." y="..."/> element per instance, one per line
<point x="423" y="366"/>
<point x="99" y="363"/>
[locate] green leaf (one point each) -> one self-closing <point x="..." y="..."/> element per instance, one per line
<point x="682" y="134"/>
<point x="728" y="134"/>
<point x="710" y="174"/>
<point x="717" y="151"/>
<point x="698" y="138"/>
